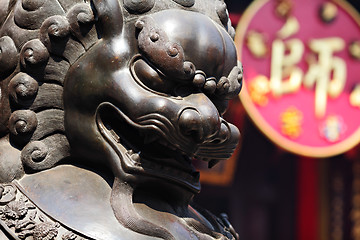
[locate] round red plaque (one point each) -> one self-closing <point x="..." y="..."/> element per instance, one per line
<point x="302" y="73"/>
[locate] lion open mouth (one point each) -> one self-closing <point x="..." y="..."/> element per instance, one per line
<point x="148" y="155"/>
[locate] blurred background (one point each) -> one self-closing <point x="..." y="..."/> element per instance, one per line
<point x="272" y="194"/>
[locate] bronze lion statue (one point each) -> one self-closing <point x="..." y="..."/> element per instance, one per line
<point x="104" y="104"/>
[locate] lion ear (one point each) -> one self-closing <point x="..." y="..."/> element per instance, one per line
<point x="109" y="16"/>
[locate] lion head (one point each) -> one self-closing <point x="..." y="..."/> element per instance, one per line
<point x="138" y="87"/>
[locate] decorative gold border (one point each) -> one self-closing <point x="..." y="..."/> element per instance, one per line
<point x="273" y="135"/>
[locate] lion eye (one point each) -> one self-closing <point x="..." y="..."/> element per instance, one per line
<point x="150" y="77"/>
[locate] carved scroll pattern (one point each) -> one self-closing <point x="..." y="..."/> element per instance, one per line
<point x="26" y="221"/>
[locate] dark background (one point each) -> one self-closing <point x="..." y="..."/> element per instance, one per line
<point x="263" y="198"/>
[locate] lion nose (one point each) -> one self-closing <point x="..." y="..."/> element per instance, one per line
<point x="223" y="134"/>
<point x="200" y="126"/>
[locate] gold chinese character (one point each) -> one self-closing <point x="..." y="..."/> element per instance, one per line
<point x="290" y="27"/>
<point x="329" y="72"/>
<point x="284" y="66"/>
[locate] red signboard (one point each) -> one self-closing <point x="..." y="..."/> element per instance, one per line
<point x="302" y="73"/>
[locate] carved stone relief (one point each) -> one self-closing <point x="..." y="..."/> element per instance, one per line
<point x="24" y="220"/>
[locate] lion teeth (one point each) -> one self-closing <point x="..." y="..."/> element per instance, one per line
<point x="136" y="157"/>
<point x="114" y="135"/>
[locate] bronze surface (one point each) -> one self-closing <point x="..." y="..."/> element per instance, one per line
<point x="103" y="107"/>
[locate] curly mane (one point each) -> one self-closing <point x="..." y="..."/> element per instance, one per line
<point x="39" y="41"/>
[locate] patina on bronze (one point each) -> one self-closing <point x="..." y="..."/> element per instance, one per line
<point x="104" y="105"/>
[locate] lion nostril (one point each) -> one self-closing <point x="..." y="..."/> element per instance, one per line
<point x="190" y="124"/>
